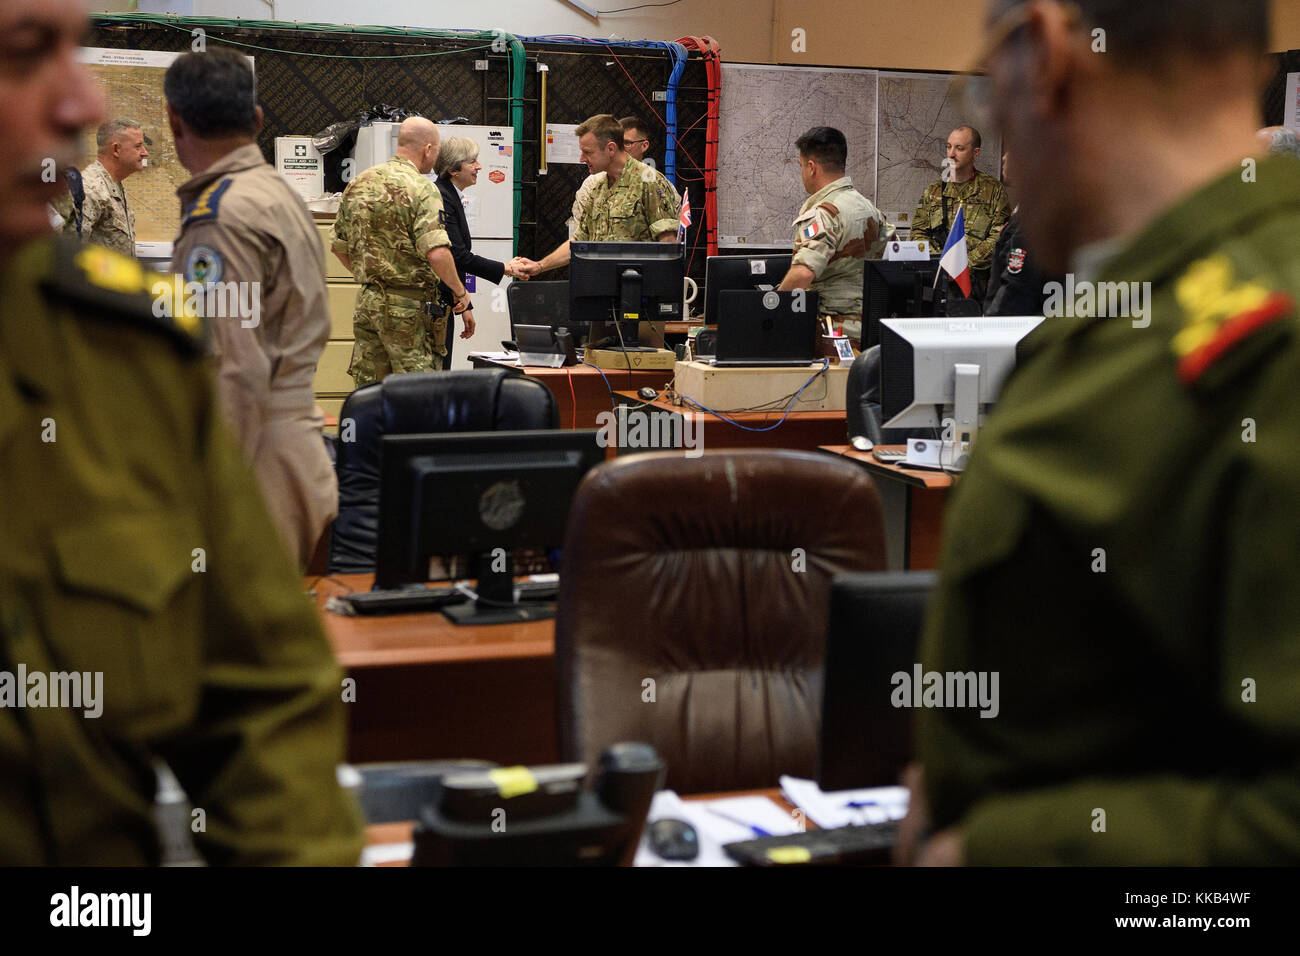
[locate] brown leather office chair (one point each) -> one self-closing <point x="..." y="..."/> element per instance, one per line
<point x="709" y="577"/>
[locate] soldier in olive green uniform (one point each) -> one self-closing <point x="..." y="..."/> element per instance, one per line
<point x="390" y="232"/>
<point x="984" y="199"/>
<point x="836" y="230"/>
<point x="136" y="545"/>
<point x="1122" y="547"/>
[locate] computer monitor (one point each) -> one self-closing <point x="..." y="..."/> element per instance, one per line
<point x="873" y="633"/>
<point x="627" y="283"/>
<point x="938" y="369"/>
<point x="477" y="494"/>
<point x="538" y="303"/>
<point x="898" y="289"/>
<point x="740" y="274"/>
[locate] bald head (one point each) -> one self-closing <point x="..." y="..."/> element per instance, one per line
<point x="417" y="140"/>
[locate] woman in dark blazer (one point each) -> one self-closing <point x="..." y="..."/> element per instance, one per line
<point x="457" y="167"/>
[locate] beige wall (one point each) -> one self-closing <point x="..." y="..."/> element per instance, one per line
<point x="891" y="34"/>
<point x="1286" y="25"/>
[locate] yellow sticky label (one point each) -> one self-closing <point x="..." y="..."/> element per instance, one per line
<point x="631" y="316"/>
<point x="789" y="854"/>
<point x="513" y="781"/>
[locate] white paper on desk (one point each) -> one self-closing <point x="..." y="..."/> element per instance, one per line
<point x="830" y="810"/>
<point x="386" y="853"/>
<point x="498" y="356"/>
<point x="712" y="830"/>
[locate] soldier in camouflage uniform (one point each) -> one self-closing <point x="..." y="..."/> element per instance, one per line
<point x="632" y="132"/>
<point x="106" y="219"/>
<point x="632" y="203"/>
<point x="984" y="199"/>
<point x="836" y="229"/>
<point x="389" y="232"/>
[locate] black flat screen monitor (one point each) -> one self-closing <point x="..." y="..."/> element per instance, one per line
<point x="627" y="283"/>
<point x="898" y="290"/>
<point x="873" y="633"/>
<point x="479" y="494"/>
<point x="538" y="303"/>
<point x="739" y="274"/>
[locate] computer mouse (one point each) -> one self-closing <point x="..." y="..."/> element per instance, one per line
<point x="674" y="839"/>
<point x="648" y="393"/>
<point x="861" y="443"/>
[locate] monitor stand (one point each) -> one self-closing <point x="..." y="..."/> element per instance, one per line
<point x="496" y="604"/>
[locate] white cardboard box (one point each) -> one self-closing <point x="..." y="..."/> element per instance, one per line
<point x="299" y="162"/>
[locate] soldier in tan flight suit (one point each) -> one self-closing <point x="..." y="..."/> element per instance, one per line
<point x="836" y="230"/>
<point x="250" y="240"/>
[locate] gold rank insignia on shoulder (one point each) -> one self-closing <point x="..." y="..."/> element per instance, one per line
<point x="110" y="270"/>
<point x="96" y="283"/>
<point x="206" y="206"/>
<point x="1222" y="313"/>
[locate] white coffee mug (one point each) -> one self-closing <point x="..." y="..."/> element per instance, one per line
<point x="689" y="291"/>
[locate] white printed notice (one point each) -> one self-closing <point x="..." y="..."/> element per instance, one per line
<point x="562" y="143"/>
<point x="1291" y="109"/>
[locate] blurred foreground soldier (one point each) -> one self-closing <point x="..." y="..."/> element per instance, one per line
<point x="147" y="609"/>
<point x="836" y="230"/>
<point x="249" y="240"/>
<point x="982" y="196"/>
<point x="391" y="233"/>
<point x="103" y="216"/>
<point x="1122" y="549"/>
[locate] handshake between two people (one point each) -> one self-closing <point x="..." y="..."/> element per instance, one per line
<point x="522" y="268"/>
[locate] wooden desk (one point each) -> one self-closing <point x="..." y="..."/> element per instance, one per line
<point x="427" y="689"/>
<point x="806" y="431"/>
<point x="922" y="494"/>
<point x="588" y="386"/>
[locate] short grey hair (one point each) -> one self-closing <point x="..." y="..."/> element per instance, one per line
<point x="110" y="131"/>
<point x="1284" y="142"/>
<point x="454" y="152"/>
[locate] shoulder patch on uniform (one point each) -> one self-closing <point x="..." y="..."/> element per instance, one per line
<point x="812" y="230"/>
<point x="1223" y="314"/>
<point x="206" y="206"/>
<point x="98" y="283"/>
<point x="1016" y="261"/>
<point x="829" y="207"/>
<point x="204" y="264"/>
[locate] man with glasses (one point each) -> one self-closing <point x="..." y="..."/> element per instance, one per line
<point x="1122" y="549"/>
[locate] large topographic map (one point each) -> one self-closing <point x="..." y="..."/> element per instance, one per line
<point x="764" y="110"/>
<point x="132" y="81"/>
<point x="896" y="125"/>
<point x="916" y="113"/>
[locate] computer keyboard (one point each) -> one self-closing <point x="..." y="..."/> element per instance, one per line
<point x="404" y="600"/>
<point x="412" y="600"/>
<point x="868" y="843"/>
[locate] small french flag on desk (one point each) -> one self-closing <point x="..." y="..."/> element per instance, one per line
<point x="685" y="218"/>
<point x="954" y="260"/>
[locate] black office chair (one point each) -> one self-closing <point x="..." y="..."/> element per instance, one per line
<point x="862" y="400"/>
<point x="481" y="400"/>
<point x="537" y="303"/>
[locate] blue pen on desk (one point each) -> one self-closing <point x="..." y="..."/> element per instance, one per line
<point x="859" y="804"/>
<point x="756" y="830"/>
